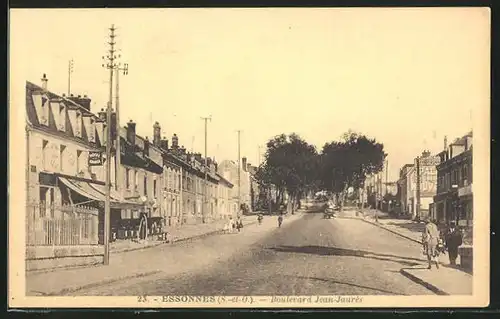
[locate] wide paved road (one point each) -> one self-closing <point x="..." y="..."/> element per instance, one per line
<point x="308" y="256"/>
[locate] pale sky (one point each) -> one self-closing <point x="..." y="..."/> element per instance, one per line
<point x="404" y="76"/>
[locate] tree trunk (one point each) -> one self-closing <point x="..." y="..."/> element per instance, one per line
<point x="342" y="198"/>
<point x="362" y="200"/>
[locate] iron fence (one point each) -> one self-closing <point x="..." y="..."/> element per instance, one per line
<point x="64" y="225"/>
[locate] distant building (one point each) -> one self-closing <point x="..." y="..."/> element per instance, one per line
<point x="241" y="190"/>
<point x="417" y="184"/>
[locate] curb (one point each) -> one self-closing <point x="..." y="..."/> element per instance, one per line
<point x="173" y="243"/>
<point x="66" y="291"/>
<point x="390" y="230"/>
<point x="424" y="283"/>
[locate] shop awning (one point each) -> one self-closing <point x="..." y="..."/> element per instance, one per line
<point x="91" y="192"/>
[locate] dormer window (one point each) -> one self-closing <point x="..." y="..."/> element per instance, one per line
<point x="61" y="116"/>
<point x="78" y="125"/>
<point x="91" y="131"/>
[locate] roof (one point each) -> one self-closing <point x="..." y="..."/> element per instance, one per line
<point x="51" y="128"/>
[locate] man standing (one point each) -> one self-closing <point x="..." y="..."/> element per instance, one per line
<point x="453" y="239"/>
<point x="430" y="239"/>
<point x="280" y="220"/>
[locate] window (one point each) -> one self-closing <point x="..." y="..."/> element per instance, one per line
<point x="78" y="128"/>
<point x="127" y="178"/>
<point x="145" y="186"/>
<point x="136" y="180"/>
<point x="45" y="154"/>
<point x="154" y="189"/>
<point x="79" y="164"/>
<point x="61" y="157"/>
<point x="91" y="131"/>
<point x="465" y="175"/>
<point x="46" y="202"/>
<point x="62" y="118"/>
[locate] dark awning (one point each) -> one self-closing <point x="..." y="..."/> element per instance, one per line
<point x="91" y="192"/>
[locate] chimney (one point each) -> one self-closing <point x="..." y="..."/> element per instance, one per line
<point x="445" y="143"/>
<point x="102" y="115"/>
<point x="146" y="146"/>
<point x="244" y="163"/>
<point x="249" y="167"/>
<point x="468" y="142"/>
<point x="156" y="134"/>
<point x="175" y="141"/>
<point x="164" y="143"/>
<point x="131" y="132"/>
<point x="44" y="82"/>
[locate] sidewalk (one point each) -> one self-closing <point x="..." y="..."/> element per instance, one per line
<point x="179" y="234"/>
<point x="446" y="280"/>
<point x="134" y="264"/>
<point x="443" y="281"/>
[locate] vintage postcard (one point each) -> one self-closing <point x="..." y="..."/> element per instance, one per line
<point x="256" y="158"/>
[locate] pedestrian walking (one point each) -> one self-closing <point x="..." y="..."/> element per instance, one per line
<point x="239" y="224"/>
<point x="232" y="225"/>
<point x="260" y="218"/>
<point x="430" y="240"/>
<point x="280" y="220"/>
<point x="453" y="239"/>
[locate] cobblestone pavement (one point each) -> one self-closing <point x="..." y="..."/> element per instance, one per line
<point x="308" y="256"/>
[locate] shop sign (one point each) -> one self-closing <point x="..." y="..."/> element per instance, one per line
<point x="462" y="223"/>
<point x="95" y="159"/>
<point x="464" y="191"/>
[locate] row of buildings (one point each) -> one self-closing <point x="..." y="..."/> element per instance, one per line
<point x="437" y="186"/>
<point x="153" y="180"/>
<point x="440" y="185"/>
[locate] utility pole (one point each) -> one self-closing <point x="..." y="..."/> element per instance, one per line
<point x="239" y="171"/>
<point x="205" y="195"/>
<point x="118" y="175"/>
<point x="70" y="71"/>
<point x="386" y="177"/>
<point x="110" y="65"/>
<point x="418" y="188"/>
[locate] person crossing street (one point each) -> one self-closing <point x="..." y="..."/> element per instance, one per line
<point x="280" y="220"/>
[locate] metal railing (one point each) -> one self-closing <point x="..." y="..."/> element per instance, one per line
<point x="64" y="225"/>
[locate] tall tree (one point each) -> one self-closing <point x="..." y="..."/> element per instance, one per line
<point x="290" y="165"/>
<point x="347" y="163"/>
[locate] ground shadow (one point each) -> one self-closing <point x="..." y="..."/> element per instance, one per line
<point x="329" y="280"/>
<point x="411" y="226"/>
<point x="334" y="251"/>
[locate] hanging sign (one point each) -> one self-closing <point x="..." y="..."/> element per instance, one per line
<point x="95" y="159"/>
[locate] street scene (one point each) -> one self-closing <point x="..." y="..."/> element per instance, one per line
<point x="213" y="159"/>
